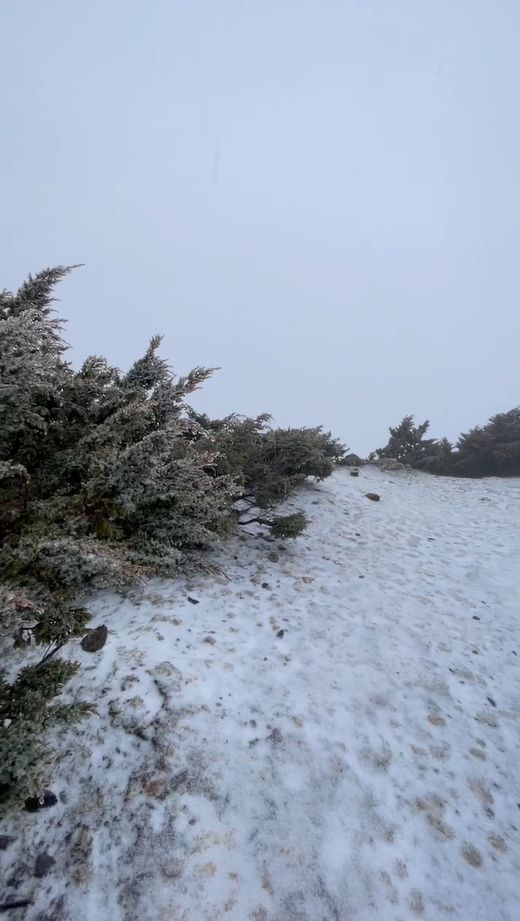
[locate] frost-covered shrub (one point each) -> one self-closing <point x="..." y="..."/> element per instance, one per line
<point x="488" y="450"/>
<point x="492" y="449"/>
<point x="108" y="477"/>
<point x="26" y="714"/>
<point x="269" y="464"/>
<point x="407" y="443"/>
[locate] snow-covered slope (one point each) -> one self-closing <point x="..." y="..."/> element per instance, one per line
<point x="331" y="732"/>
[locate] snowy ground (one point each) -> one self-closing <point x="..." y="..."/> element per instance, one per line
<point x="330" y="734"/>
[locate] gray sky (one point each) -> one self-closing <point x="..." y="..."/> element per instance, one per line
<point x="320" y="196"/>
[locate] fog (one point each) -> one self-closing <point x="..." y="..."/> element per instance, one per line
<point x="320" y="197"/>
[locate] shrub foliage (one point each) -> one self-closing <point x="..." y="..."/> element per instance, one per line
<point x="106" y="478"/>
<point x="489" y="450"/>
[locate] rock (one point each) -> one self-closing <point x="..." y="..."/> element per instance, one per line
<point x="5" y="841"/>
<point x="373" y="496"/>
<point x="33" y="803"/>
<point x="193" y="600"/>
<point x="351" y="460"/>
<point x="43" y="865"/>
<point x="354" y="472"/>
<point x="280" y="634"/>
<point x="95" y="639"/>
<point x="273" y="557"/>
<point x="275" y="737"/>
<point x="307" y="579"/>
<point x="265" y="584"/>
<point x="172" y="869"/>
<point x="389" y="463"/>
<point x="157" y="787"/>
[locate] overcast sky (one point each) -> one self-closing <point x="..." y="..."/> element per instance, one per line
<point x="320" y="196"/>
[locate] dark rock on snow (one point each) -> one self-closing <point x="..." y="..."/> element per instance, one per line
<point x="351" y="460"/>
<point x="95" y="639"/>
<point x="373" y="496"/>
<point x="5" y="841"/>
<point x="33" y="803"/>
<point x="43" y="864"/>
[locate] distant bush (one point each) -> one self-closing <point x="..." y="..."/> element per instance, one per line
<point x="489" y="450"/>
<point x="407" y="443"/>
<point x="106" y="478"/>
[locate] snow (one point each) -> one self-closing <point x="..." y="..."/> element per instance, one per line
<point x="361" y="766"/>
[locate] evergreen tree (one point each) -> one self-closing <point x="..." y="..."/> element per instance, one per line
<point x="492" y="449"/>
<point x="407" y="443"/>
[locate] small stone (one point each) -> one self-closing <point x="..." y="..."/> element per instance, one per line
<point x="275" y="736"/>
<point x="156" y="787"/>
<point x="472" y="855"/>
<point x="172" y="869"/>
<point x="95" y="639"/>
<point x="492" y="702"/>
<point x="354" y="473"/>
<point x="280" y="634"/>
<point x="307" y="579"/>
<point x="209" y="639"/>
<point x="389" y="463"/>
<point x="33" y="803"/>
<point x="351" y="460"/>
<point x="43" y="864"/>
<point x="265" y="584"/>
<point x="476" y="617"/>
<point x="373" y="496"/>
<point x="193" y="600"/>
<point x="273" y="557"/>
<point x="5" y="841"/>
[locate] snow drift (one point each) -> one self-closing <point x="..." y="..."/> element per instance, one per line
<point x="330" y="730"/>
